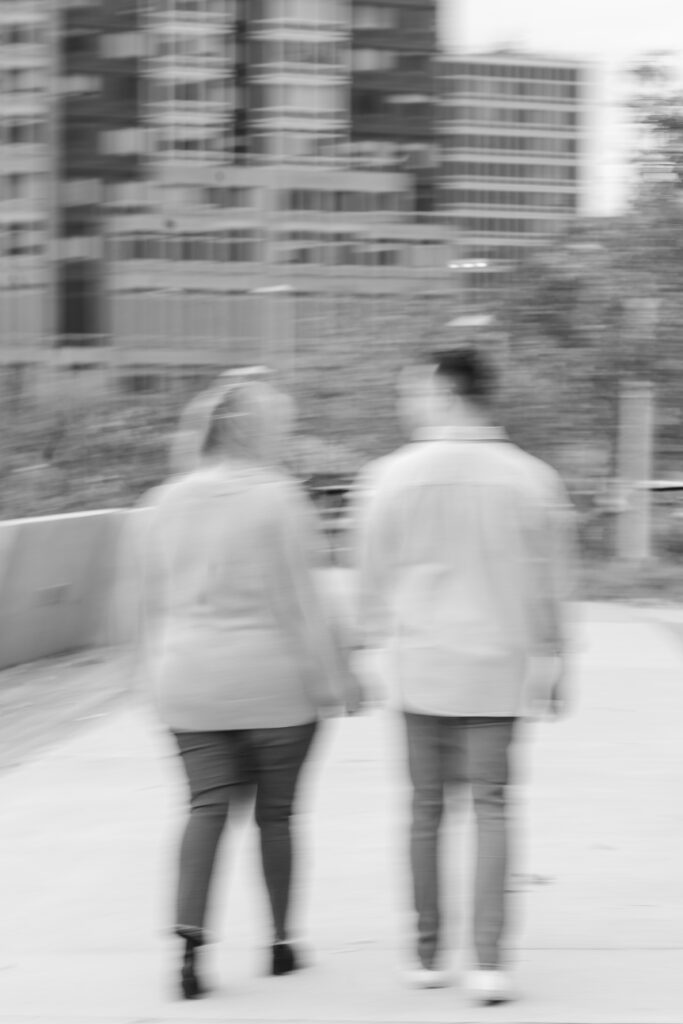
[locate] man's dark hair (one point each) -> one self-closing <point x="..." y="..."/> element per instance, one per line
<point x="467" y="371"/>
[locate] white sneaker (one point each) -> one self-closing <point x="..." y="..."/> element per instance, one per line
<point x="490" y="987"/>
<point x="427" y="977"/>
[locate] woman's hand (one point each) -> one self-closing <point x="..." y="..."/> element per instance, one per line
<point x="355" y="697"/>
<point x="548" y="688"/>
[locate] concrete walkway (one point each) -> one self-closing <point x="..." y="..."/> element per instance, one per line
<point x="87" y="835"/>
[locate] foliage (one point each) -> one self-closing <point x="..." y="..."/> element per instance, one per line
<point x="657" y="110"/>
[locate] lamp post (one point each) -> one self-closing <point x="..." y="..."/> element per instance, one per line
<point x="635" y="448"/>
<point x="462" y="265"/>
<point x="274" y="327"/>
<point x="635" y="415"/>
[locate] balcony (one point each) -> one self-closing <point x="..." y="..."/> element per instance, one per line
<point x="190" y="112"/>
<point x="282" y="116"/>
<point x="24" y="55"/>
<point x="284" y="69"/>
<point x="189" y="67"/>
<point x="192" y="22"/>
<point x="271" y="26"/>
<point x="24" y="156"/>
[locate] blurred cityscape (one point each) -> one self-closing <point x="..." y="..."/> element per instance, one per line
<point x="323" y="186"/>
<point x="329" y="188"/>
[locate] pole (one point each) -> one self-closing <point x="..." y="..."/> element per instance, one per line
<point x="54" y="140"/>
<point x="635" y="457"/>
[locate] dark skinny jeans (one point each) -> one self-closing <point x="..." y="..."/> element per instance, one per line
<point x="220" y="766"/>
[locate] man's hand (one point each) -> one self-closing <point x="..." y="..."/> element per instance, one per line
<point x="366" y="667"/>
<point x="548" y="689"/>
<point x="558" y="701"/>
<point x="355" y="698"/>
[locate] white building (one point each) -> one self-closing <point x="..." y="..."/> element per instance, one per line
<point x="253" y="250"/>
<point x="512" y="128"/>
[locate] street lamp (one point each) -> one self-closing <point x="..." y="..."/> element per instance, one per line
<point x="468" y="265"/>
<point x="272" y="291"/>
<point x="634" y="448"/>
<point x="464" y="265"/>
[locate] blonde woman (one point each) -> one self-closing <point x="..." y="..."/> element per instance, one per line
<point x="241" y="657"/>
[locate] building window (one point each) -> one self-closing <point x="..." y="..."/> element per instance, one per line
<point x="131" y="195"/>
<point x="81" y="191"/>
<point x="373" y="17"/>
<point x="313" y="52"/>
<point x="123" y="88"/>
<point x="24" y="132"/>
<point x="18" y="35"/>
<point x="76" y="42"/>
<point x="19" y="240"/>
<point x="301" y="247"/>
<point x="238" y="246"/>
<point x="80" y="310"/>
<point x="513" y="144"/>
<point x="307" y="11"/>
<point x="509" y="226"/>
<point x="139" y="246"/>
<point x="81" y="247"/>
<point x="14" y="186"/>
<point x="536" y="200"/>
<point x="412" y="62"/>
<point x="521" y="171"/>
<point x="81" y="84"/>
<point x="367" y="103"/>
<point x="231" y="197"/>
<point x="17" y="80"/>
<point x="122" y="141"/>
<point x="123" y="45"/>
<point x="374" y="60"/>
<point x="299" y="97"/>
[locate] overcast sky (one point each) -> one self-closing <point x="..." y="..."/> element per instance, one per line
<point x="608" y="33"/>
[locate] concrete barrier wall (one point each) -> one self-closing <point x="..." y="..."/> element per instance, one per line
<point x="56" y="577"/>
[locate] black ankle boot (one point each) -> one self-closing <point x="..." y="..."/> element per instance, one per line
<point x="284" y="959"/>
<point x="189" y="982"/>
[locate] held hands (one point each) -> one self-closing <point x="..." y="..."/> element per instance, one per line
<point x="548" y="689"/>
<point x="366" y="669"/>
<point x="361" y="683"/>
<point x="355" y="697"/>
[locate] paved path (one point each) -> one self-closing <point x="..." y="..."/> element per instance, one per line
<point x="86" y="858"/>
<point x="44" y="702"/>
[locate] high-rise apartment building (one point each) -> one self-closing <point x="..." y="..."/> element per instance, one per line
<point x="394" y="46"/>
<point x="252" y="209"/>
<point x="188" y="91"/>
<point x="297" y="80"/>
<point x="27" y="172"/>
<point x="512" y="131"/>
<point x="201" y="149"/>
<point x="235" y="81"/>
<point x="99" y="149"/>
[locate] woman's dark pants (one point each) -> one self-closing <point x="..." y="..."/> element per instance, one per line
<point x="219" y="766"/>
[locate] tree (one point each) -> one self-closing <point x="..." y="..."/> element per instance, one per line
<point x="656" y="108"/>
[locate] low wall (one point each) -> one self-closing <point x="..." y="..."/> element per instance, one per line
<point x="55" y="583"/>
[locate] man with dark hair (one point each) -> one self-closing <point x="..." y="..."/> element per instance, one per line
<point x="466" y="372"/>
<point x="464" y="550"/>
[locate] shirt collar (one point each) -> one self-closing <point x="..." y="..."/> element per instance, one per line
<point x="481" y="433"/>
